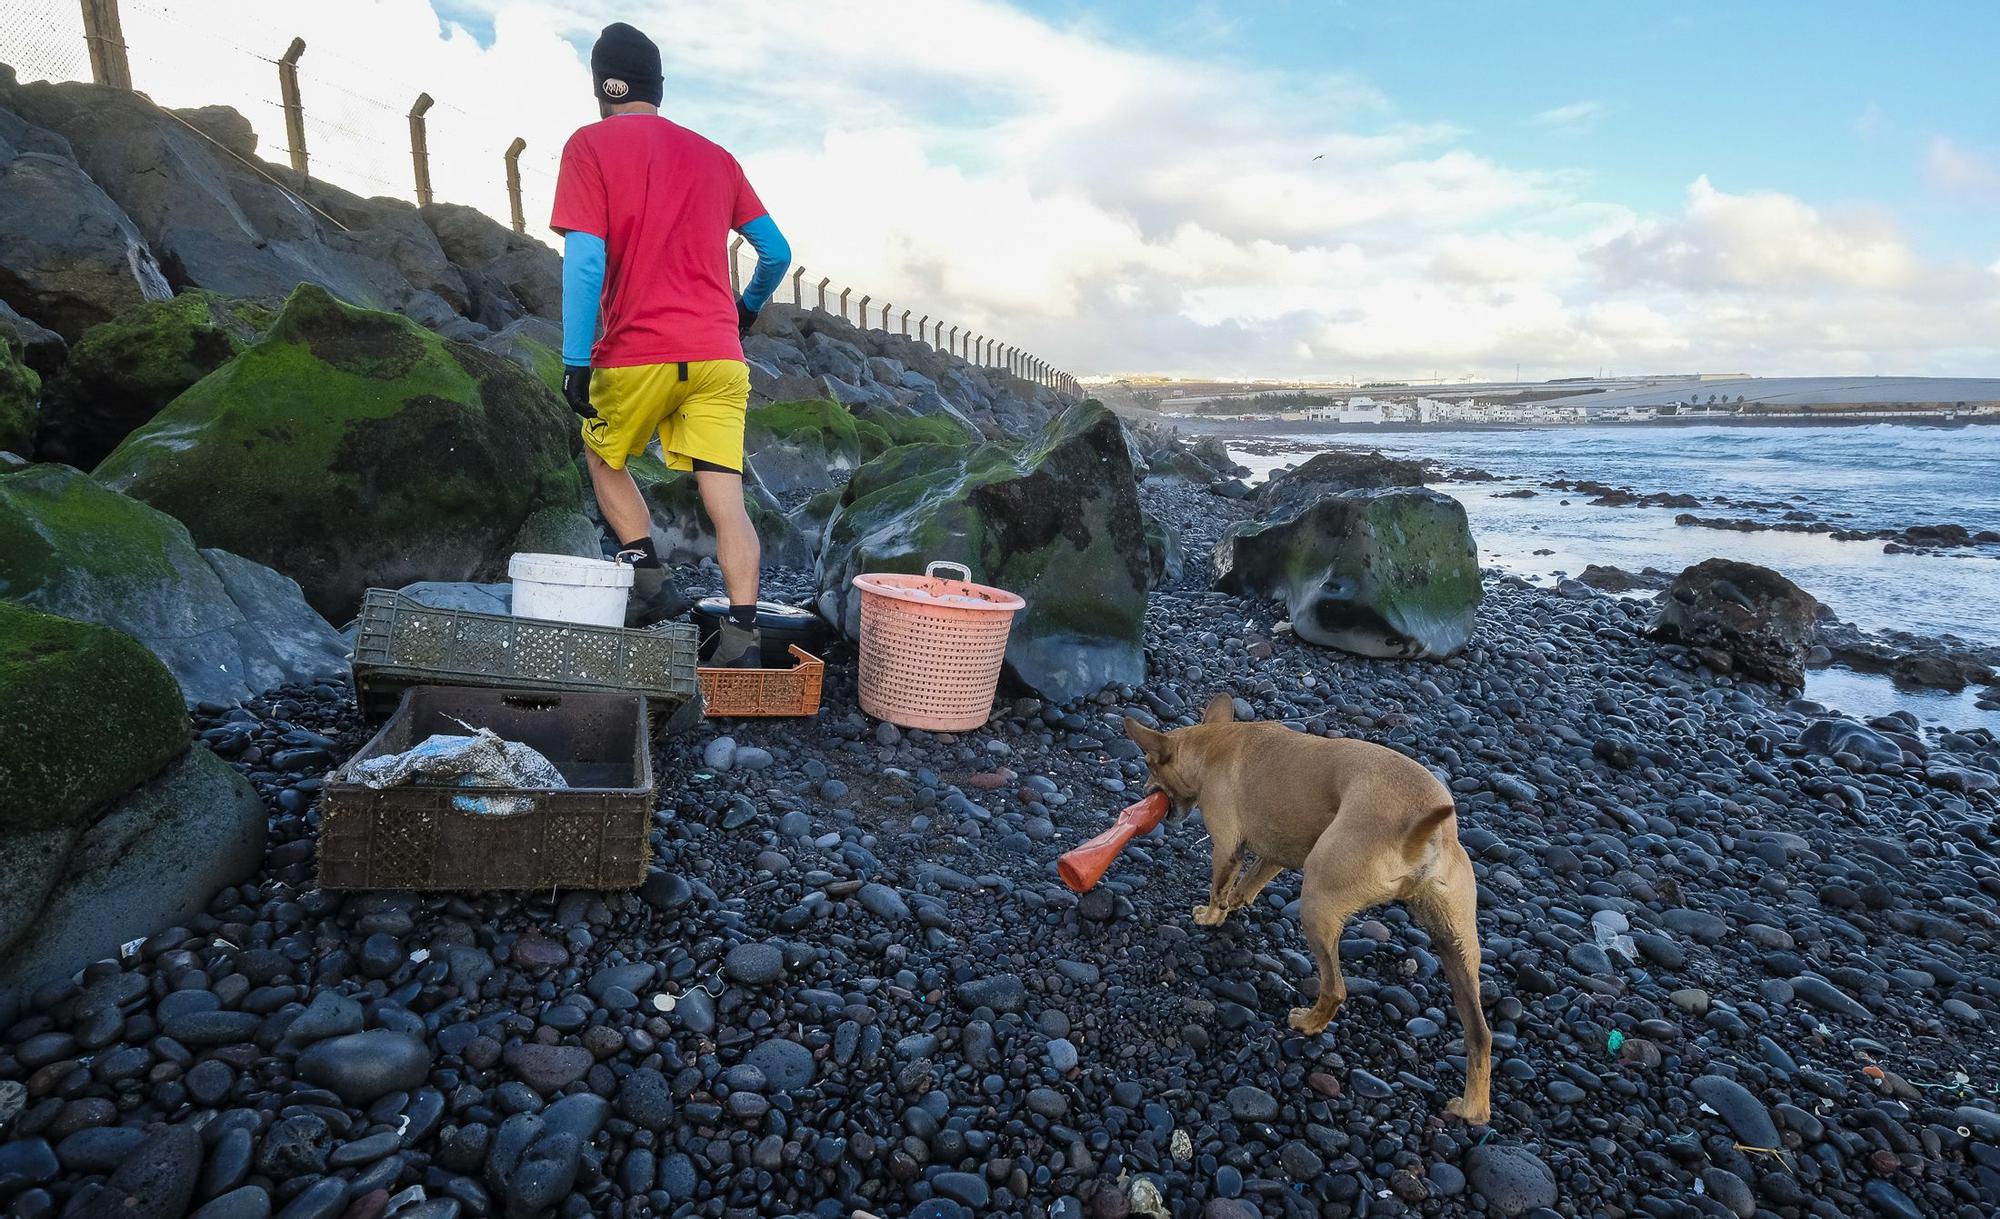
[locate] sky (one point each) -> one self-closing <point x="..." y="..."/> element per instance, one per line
<point x="1280" y="189"/>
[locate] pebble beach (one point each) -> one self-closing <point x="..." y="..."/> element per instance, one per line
<point x="1739" y="959"/>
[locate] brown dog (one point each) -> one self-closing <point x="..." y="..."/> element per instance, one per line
<point x="1365" y="824"/>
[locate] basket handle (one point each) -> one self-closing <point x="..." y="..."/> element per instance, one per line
<point x="964" y="572"/>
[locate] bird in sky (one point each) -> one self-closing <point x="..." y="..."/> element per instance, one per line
<point x="1320" y="157"/>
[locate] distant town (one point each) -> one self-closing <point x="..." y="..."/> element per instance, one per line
<point x="1663" y="399"/>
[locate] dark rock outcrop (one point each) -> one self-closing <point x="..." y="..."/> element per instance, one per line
<point x="19" y="389"/>
<point x="227" y="628"/>
<point x="1740" y="617"/>
<point x="506" y="274"/>
<point x="1388" y="573"/>
<point x="351" y="449"/>
<point x="1334" y="471"/>
<point x="217" y="218"/>
<point x="110" y="826"/>
<point x="1059" y="524"/>
<point x="123" y="372"/>
<point x="70" y="258"/>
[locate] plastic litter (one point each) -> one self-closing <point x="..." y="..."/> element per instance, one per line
<point x="480" y="760"/>
<point x="1608" y="927"/>
<point x="1615" y="1040"/>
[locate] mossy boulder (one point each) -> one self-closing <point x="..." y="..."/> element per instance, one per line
<point x="121" y="373"/>
<point x="86" y="715"/>
<point x="227" y="628"/>
<point x="682" y="532"/>
<point x="19" y="388"/>
<point x="1058" y="523"/>
<point x="1389" y="573"/>
<point x="807" y="446"/>
<point x="111" y="827"/>
<point x="351" y="448"/>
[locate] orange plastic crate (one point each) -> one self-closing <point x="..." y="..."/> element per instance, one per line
<point x="738" y="693"/>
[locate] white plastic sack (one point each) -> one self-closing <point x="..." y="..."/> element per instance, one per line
<point x="480" y="760"/>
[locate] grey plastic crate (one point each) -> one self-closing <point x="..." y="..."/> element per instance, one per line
<point x="400" y="642"/>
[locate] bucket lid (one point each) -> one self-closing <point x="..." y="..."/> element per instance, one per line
<point x="932" y="589"/>
<point x="569" y="569"/>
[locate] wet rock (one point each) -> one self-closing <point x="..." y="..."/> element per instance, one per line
<point x="1761" y="621"/>
<point x="1510" y="1179"/>
<point x="1744" y="1114"/>
<point x="360" y="1067"/>
<point x="1376" y="573"/>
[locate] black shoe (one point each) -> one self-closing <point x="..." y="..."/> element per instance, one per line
<point x="655" y="597"/>
<point x="737" y="647"/>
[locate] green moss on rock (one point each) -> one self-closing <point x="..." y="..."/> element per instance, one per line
<point x="19" y="388"/>
<point x="1059" y="524"/>
<point x="86" y="714"/>
<point x="1388" y="573"/>
<point x="122" y="372"/>
<point x="351" y="448"/>
<point x="928" y="429"/>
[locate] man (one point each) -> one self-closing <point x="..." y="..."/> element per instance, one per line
<point x="645" y="208"/>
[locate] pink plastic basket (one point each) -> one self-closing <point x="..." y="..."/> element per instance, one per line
<point x="931" y="648"/>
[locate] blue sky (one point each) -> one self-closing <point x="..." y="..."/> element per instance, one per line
<point x="1835" y="101"/>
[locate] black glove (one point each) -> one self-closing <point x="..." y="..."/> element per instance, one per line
<point x="576" y="390"/>
<point x="746" y="317"/>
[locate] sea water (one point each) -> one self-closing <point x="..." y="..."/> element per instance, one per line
<point x="1886" y="476"/>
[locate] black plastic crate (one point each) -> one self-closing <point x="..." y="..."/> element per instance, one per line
<point x="590" y="835"/>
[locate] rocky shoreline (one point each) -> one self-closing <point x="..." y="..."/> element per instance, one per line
<point x="1740" y="958"/>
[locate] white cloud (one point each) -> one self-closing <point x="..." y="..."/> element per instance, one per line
<point x="1576" y="118"/>
<point x="1110" y="207"/>
<point x="1955" y="169"/>
<point x="1872" y="123"/>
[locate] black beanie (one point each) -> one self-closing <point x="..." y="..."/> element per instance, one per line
<point x="625" y="66"/>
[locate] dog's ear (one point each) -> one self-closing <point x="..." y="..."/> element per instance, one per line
<point x="1221" y="710"/>
<point x="1154" y="744"/>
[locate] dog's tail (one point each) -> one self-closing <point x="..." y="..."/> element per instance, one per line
<point x="1425" y="829"/>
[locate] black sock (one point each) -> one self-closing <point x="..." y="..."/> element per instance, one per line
<point x="642" y="548"/>
<point x="744" y="616"/>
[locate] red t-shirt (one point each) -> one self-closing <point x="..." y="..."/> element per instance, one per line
<point x="664" y="199"/>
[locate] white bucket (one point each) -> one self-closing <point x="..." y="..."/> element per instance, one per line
<point x="563" y="588"/>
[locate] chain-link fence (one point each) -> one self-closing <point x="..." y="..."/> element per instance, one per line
<point x="352" y="127"/>
<point x="44" y="41"/>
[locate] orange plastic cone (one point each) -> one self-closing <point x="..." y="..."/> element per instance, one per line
<point x="1085" y="866"/>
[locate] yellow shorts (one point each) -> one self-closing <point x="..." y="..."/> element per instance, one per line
<point x="699" y="417"/>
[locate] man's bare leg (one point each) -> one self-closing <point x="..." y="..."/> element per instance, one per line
<point x="737" y="550"/>
<point x="619" y="500"/>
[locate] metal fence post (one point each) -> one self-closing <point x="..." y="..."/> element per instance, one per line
<point x="861" y="313"/>
<point x="798" y="288"/>
<point x="735" y="268"/>
<point x="885" y="315"/>
<point x="105" y="36"/>
<point x="906" y="323"/>
<point x="844" y="294"/>
<point x="937" y="339"/>
<point x="295" y="111"/>
<point x="822" y="292"/>
<point x="420" y="149"/>
<point x="953" y="346"/>
<point x="921" y="323"/>
<point x="514" y="151"/>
